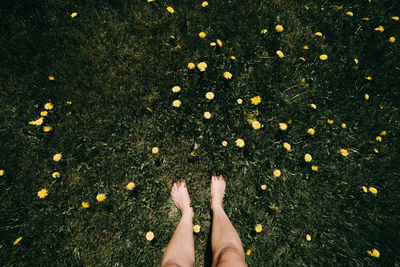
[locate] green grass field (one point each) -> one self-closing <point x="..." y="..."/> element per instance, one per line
<point x="114" y="66"/>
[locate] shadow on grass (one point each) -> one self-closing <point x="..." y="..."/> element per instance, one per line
<point x="208" y="254"/>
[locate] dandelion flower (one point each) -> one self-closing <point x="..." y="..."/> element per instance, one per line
<point x="224" y="143"/>
<point x="17" y="240"/>
<point x="46" y="128"/>
<point x="396" y="18"/>
<point x="202" y="66"/>
<point x="191" y="65"/>
<point x="256" y="125"/>
<point x="382" y="133"/>
<point x="100" y="197"/>
<point x="51" y="78"/>
<point x="379" y="139"/>
<point x="178" y="47"/>
<point x="69" y="102"/>
<point x="176" y="89"/>
<point x="48" y="106"/>
<point x="283" y="126"/>
<point x="239" y="101"/>
<point x="192" y="153"/>
<point x="369" y="78"/>
<point x="227" y="75"/>
<point x="57" y="157"/>
<point x="349" y="13"/>
<point x="311" y="131"/>
<point x="177" y="103"/>
<point x="392" y="39"/>
<point x="233" y="57"/>
<point x="287" y="146"/>
<point x="376" y="150"/>
<point x="149" y="236"/>
<point x="263" y="187"/>
<point x="379" y="28"/>
<point x="207" y="115"/>
<point x="307" y="157"/>
<point x="204" y="4"/>
<point x="323" y="57"/>
<point x="280" y="53"/>
<point x="85" y="205"/>
<point x="318" y="34"/>
<point x="74" y="14"/>
<point x="264" y="31"/>
<point x="365" y="19"/>
<point x="344" y="152"/>
<point x="196" y="228"/>
<point x="374" y="253"/>
<point x="313" y="106"/>
<point x="1" y="172"/>
<point x="277" y="173"/>
<point x="308" y="237"/>
<point x="219" y="42"/>
<point x="364" y="189"/>
<point x="202" y="34"/>
<point x="43" y="113"/>
<point x="240" y="142"/>
<point x="55" y="175"/>
<point x="154" y="150"/>
<point x="258" y="228"/>
<point x="373" y="190"/>
<point x="302" y="58"/>
<point x="170" y="10"/>
<point x="210" y="95"/>
<point x="213" y="44"/>
<point x="42" y="193"/>
<point x="356" y="60"/>
<point x="248" y="252"/>
<point x="314" y="168"/>
<point x="330" y="121"/>
<point x="366" y="96"/>
<point x="279" y="28"/>
<point x="130" y="186"/>
<point x="256" y="100"/>
<point x="344" y="125"/>
<point x="273" y="207"/>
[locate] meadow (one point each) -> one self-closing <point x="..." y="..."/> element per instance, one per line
<point x="105" y="104"/>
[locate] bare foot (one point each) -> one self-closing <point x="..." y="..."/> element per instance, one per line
<point x="180" y="197"/>
<point x="218" y="185"/>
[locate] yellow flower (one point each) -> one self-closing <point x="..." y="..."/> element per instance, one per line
<point x="48" y="106"/>
<point x="311" y="131"/>
<point x="177" y="103"/>
<point x="344" y="125"/>
<point x="395" y="18"/>
<point x="307" y="157"/>
<point x="57" y="157"/>
<point x="178" y="47"/>
<point x="207" y="115"/>
<point x="17" y="240"/>
<point x="74" y="14"/>
<point x="306" y="7"/>
<point x="43" y="113"/>
<point x="100" y="197"/>
<point x="323" y="57"/>
<point x="130" y="186"/>
<point x="305" y="47"/>
<point x="318" y="34"/>
<point x="364" y="189"/>
<point x="280" y="53"/>
<point x="258" y="228"/>
<point x="368" y="78"/>
<point x="349" y="13"/>
<point x="196" y="228"/>
<point x="383" y="132"/>
<point x="344" y="152"/>
<point x="191" y="65"/>
<point x="39" y="121"/>
<point x="202" y="34"/>
<point x="170" y="10"/>
<point x="273" y="207"/>
<point x="219" y="42"/>
<point x="279" y="28"/>
<point x="154" y="150"/>
<point x="366" y="96"/>
<point x="239" y="101"/>
<point x="379" y="139"/>
<point x="283" y="126"/>
<point x="376" y="150"/>
<point x="1" y="172"/>
<point x="263" y="187"/>
<point x="313" y="106"/>
<point x="374" y="253"/>
<point x="192" y="153"/>
<point x="149" y="236"/>
<point x="302" y="58"/>
<point x="204" y="4"/>
<point x="314" y="168"/>
<point x="85" y="205"/>
<point x="224" y="143"/>
<point x="303" y="80"/>
<point x="227" y="75"/>
<point x="287" y="146"/>
<point x="69" y="102"/>
<point x="330" y="121"/>
<point x="380" y="28"/>
<point x="233" y="57"/>
<point x="308" y="237"/>
<point x="289" y="121"/>
<point x="277" y="173"/>
<point x="51" y="78"/>
<point x="55" y="175"/>
<point x="365" y="19"/>
<point x="176" y="89"/>
<point x="32" y="122"/>
<point x="240" y="142"/>
<point x="213" y="44"/>
<point x="392" y="39"/>
<point x="373" y="190"/>
<point x="210" y="95"/>
<point x="248" y="252"/>
<point x="42" y="193"/>
<point x="264" y="31"/>
<point x="256" y="125"/>
<point x="256" y="100"/>
<point x="46" y="128"/>
<point x="356" y="60"/>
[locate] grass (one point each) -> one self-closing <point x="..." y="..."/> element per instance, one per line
<point x="116" y="59"/>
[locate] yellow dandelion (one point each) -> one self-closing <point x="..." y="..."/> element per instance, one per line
<point x="1" y="172"/>
<point x="305" y="47"/>
<point x="248" y="252"/>
<point x="277" y="173"/>
<point x="55" y="175"/>
<point x="74" y="14"/>
<point x="313" y="106"/>
<point x="280" y="53"/>
<point x="258" y="228"/>
<point x="57" y="157"/>
<point x="130" y="186"/>
<point x="279" y="28"/>
<point x="287" y="146"/>
<point x="51" y="78"/>
<point x="69" y="102"/>
<point x="46" y="128"/>
<point x="379" y="28"/>
<point x="369" y="78"/>
<point x="149" y="109"/>
<point x="204" y="4"/>
<point x="154" y="150"/>
<point x="233" y="57"/>
<point x="383" y="133"/>
<point x="191" y="65"/>
<point x="373" y="190"/>
<point x="17" y="240"/>
<point x="48" y="106"/>
<point x="365" y="19"/>
<point x="356" y="60"/>
<point x="323" y="57"/>
<point x="306" y="7"/>
<point x="85" y="205"/>
<point x="39" y="121"/>
<point x="318" y="34"/>
<point x="256" y="100"/>
<point x="330" y="121"/>
<point x="311" y="131"/>
<point x="376" y="150"/>
<point x="207" y="115"/>
<point x="264" y="31"/>
<point x="224" y="143"/>
<point x="392" y="39"/>
<point x="307" y="157"/>
<point x="196" y="228"/>
<point x="344" y="125"/>
<point x="213" y="44"/>
<point x="344" y="152"/>
<point x="219" y="42"/>
<point x="176" y="89"/>
<point x="364" y="189"/>
<point x="176" y="103"/>
<point x="314" y="168"/>
<point x="227" y="75"/>
<point x="374" y="253"/>
<point x="308" y="237"/>
<point x="210" y="95"/>
<point x="239" y="101"/>
<point x="240" y="142"/>
<point x="263" y="187"/>
<point x="100" y="197"/>
<point x="256" y="125"/>
<point x="149" y="236"/>
<point x="202" y="34"/>
<point x="32" y="122"/>
<point x="396" y="18"/>
<point x="178" y="47"/>
<point x="366" y="96"/>
<point x="170" y="10"/>
<point x="379" y="139"/>
<point x="273" y="207"/>
<point x="42" y="193"/>
<point x="303" y="80"/>
<point x="282" y="126"/>
<point x="302" y="59"/>
<point x="43" y="113"/>
<point x="349" y="13"/>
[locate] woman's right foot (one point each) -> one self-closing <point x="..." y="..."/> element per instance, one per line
<point x="218" y="185"/>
